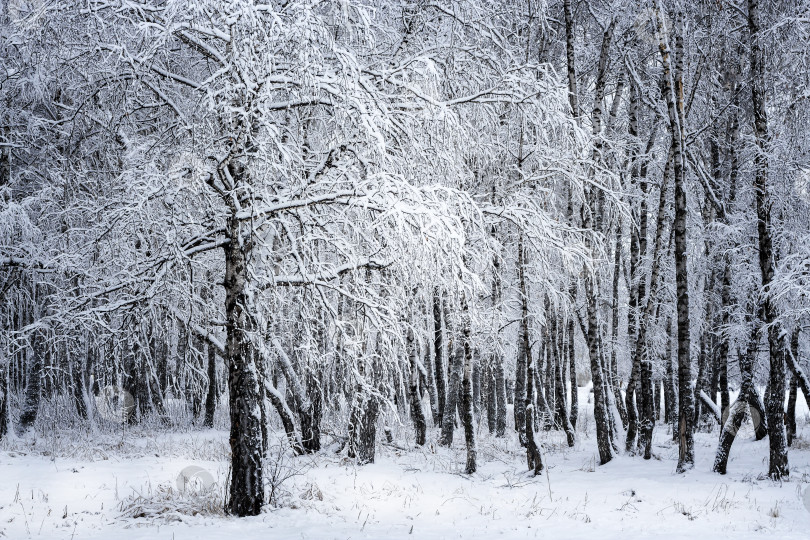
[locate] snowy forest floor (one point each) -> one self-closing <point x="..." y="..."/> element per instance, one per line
<point x="75" y="484"/>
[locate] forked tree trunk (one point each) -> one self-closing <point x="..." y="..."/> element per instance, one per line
<point x="648" y="301"/>
<point x="737" y="411"/>
<point x="673" y="93"/>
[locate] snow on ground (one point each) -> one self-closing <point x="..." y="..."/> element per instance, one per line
<point x="75" y="485"/>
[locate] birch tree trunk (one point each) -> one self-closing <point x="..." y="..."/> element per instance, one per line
<point x="439" y="370"/>
<point x="467" y="416"/>
<point x="775" y="398"/>
<point x="417" y="413"/>
<point x="246" y="493"/>
<point x="673" y="93"/>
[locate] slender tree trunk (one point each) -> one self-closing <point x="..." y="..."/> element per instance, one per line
<point x="211" y="395"/>
<point x="438" y="362"/>
<point x="454" y="388"/>
<point x="572" y="376"/>
<point x="630" y="405"/>
<point x="467" y="417"/>
<point x="790" y="414"/>
<point x="533" y="456"/>
<point x="614" y="328"/>
<point x="562" y="413"/>
<point x="522" y="381"/>
<point x="417" y="414"/>
<point x="775" y="399"/>
<point x="570" y="55"/>
<point x="476" y="385"/>
<point x="500" y="395"/>
<point x="5" y="402"/>
<point x="673" y="93"/>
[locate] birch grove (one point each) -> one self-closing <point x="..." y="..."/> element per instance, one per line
<point x="322" y="219"/>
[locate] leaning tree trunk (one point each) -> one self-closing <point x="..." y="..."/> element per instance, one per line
<point x="775" y="399"/>
<point x="737" y="411"/>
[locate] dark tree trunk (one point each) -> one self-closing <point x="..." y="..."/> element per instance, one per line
<point x="438" y="362"/>
<point x="77" y="368"/>
<point x="363" y="428"/>
<point x="672" y="384"/>
<point x="790" y="414"/>
<point x="476" y="385"/>
<point x="572" y="376"/>
<point x="417" y="414"/>
<point x="534" y="459"/>
<point x="614" y="330"/>
<point x="561" y="412"/>
<point x="211" y="394"/>
<point x="33" y="393"/>
<point x="5" y="402"/>
<point x="630" y="405"/>
<point x="500" y="397"/>
<point x="310" y="415"/>
<point x="453" y="392"/>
